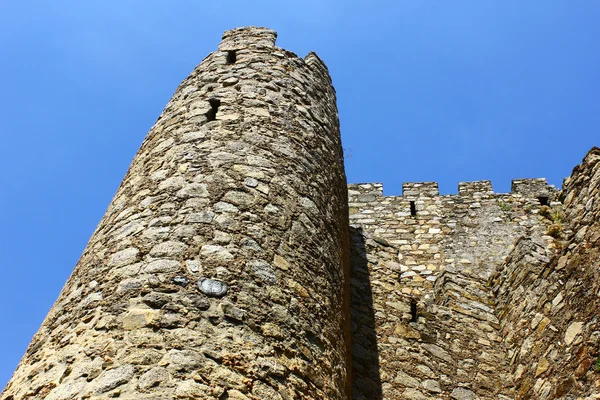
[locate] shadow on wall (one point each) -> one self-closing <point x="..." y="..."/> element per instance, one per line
<point x="366" y="379"/>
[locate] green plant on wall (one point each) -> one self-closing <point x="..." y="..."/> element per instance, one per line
<point x="557" y="216"/>
<point x="555" y="230"/>
<point x="553" y="214"/>
<point x="545" y="212"/>
<point x="504" y="206"/>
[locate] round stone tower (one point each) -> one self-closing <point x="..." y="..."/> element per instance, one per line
<point x="220" y="270"/>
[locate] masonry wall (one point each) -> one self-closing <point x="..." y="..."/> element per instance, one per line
<point x="548" y="298"/>
<point x="220" y="270"/>
<point x="423" y="261"/>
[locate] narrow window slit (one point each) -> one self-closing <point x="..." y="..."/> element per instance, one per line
<point x="413" y="208"/>
<point x="231" y="57"/>
<point x="211" y="114"/>
<point x="413" y="311"/>
<point x="543" y="200"/>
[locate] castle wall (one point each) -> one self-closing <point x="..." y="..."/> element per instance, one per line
<point x="424" y="260"/>
<point x="547" y="298"/>
<point x="220" y="268"/>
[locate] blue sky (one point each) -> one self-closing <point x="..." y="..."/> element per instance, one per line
<point x="427" y="91"/>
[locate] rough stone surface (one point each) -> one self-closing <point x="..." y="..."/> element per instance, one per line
<point x="421" y="306"/>
<point x="235" y="263"/>
<point x="476" y="295"/>
<point x="240" y="186"/>
<point x="548" y="298"/>
<point x="213" y="287"/>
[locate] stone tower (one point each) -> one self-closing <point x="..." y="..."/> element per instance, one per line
<point x="220" y="269"/>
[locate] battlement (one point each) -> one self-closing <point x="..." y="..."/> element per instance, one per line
<point x="469" y="188"/>
<point x="527" y="187"/>
<point x="365" y="191"/>
<point x="412" y="190"/>
<point x="536" y="187"/>
<point x="250" y="36"/>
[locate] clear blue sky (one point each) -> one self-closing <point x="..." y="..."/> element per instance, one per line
<point x="443" y="91"/>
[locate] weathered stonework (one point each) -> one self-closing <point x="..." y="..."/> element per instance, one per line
<point x="548" y="299"/>
<point x="235" y="263"/>
<point x="477" y="295"/>
<point x="426" y="259"/>
<point x="220" y="269"/>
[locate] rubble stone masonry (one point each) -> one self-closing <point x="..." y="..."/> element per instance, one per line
<point x="235" y="263"/>
<point x="547" y="298"/>
<point x="220" y="270"/>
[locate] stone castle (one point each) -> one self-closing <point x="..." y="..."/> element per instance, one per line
<point x="234" y="262"/>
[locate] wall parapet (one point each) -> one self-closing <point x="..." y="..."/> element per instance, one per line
<point x="250" y="36"/>
<point x="365" y="192"/>
<point x="469" y="188"/>
<point x="414" y="190"/>
<point x="532" y="187"/>
<point x="535" y="188"/>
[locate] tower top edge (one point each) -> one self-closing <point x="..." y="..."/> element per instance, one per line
<point x="248" y="36"/>
<point x="528" y="187"/>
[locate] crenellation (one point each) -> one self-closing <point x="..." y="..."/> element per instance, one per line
<point x="532" y="187"/>
<point x="364" y="192"/>
<point x="475" y="187"/>
<point x="247" y="37"/>
<point x="414" y="190"/>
